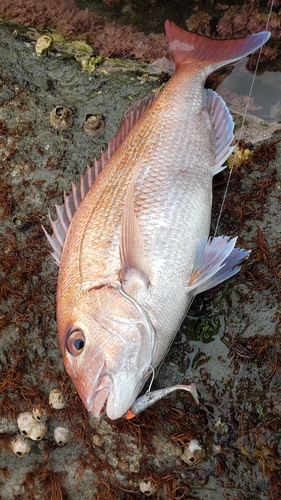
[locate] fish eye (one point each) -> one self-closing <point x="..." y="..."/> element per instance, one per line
<point x="75" y="342"/>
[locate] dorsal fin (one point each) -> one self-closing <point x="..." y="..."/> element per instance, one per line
<point x="66" y="211"/>
<point x="223" y="127"/>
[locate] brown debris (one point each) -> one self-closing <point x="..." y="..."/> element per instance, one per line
<point x="44" y="479"/>
<point x="258" y="347"/>
<point x="242" y="204"/>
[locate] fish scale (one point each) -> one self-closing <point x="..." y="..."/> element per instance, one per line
<point x="135" y="250"/>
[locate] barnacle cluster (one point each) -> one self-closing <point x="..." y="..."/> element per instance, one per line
<point x="33" y="427"/>
<point x="30" y="427"/>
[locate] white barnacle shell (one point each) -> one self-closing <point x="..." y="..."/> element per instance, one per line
<point x="61" y="435"/>
<point x="193" y="453"/>
<point x="40" y="414"/>
<point x="38" y="431"/>
<point x="148" y="487"/>
<point x="20" y="446"/>
<point x="25" y="422"/>
<point x="57" y="399"/>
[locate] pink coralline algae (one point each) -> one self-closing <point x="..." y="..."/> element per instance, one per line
<point x="126" y="41"/>
<point x="275" y="3"/>
<point x="109" y="39"/>
<point x="64" y="15"/>
<point x="200" y="23"/>
<point x="111" y="3"/>
<point x="240" y="22"/>
<point x="236" y="20"/>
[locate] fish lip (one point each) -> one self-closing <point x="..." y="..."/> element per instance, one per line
<point x="97" y="401"/>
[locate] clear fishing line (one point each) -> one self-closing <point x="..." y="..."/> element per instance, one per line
<point x="243" y="122"/>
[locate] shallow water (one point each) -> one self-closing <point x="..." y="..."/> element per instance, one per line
<point x="265" y="94"/>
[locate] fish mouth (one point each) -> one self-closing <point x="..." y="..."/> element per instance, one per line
<point x="96" y="403"/>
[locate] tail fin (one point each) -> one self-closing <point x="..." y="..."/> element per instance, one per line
<point x="190" y="47"/>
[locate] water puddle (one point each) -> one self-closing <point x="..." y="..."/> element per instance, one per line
<point x="265" y="99"/>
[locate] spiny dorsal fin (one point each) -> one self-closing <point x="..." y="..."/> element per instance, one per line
<point x="66" y="211"/>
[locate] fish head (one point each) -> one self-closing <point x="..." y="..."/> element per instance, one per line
<point x="107" y="342"/>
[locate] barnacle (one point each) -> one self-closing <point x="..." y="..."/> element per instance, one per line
<point x="20" y="446"/>
<point x="25" y="422"/>
<point x="43" y="44"/>
<point x="193" y="453"/>
<point x="38" y="431"/>
<point x="61" y="435"/>
<point x="40" y="414"/>
<point x="94" y="124"/>
<point x="61" y="118"/>
<point x="148" y="487"/>
<point x="56" y="399"/>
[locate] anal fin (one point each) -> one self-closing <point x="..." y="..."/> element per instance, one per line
<point x="216" y="261"/>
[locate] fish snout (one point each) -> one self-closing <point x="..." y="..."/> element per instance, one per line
<point x="125" y="389"/>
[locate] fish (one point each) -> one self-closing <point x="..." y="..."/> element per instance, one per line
<point x="132" y="239"/>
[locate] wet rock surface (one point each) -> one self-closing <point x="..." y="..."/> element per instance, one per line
<point x="228" y="345"/>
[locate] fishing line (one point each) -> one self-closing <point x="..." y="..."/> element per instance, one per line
<point x="152" y="379"/>
<point x="243" y="122"/>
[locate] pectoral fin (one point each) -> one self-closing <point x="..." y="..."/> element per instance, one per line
<point x="216" y="261"/>
<point x="134" y="264"/>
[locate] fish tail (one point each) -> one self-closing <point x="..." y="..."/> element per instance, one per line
<point x="187" y="47"/>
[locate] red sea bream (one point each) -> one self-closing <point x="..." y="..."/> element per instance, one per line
<point x="132" y="240"/>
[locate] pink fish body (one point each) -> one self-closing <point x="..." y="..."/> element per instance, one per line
<point x="132" y="240"/>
